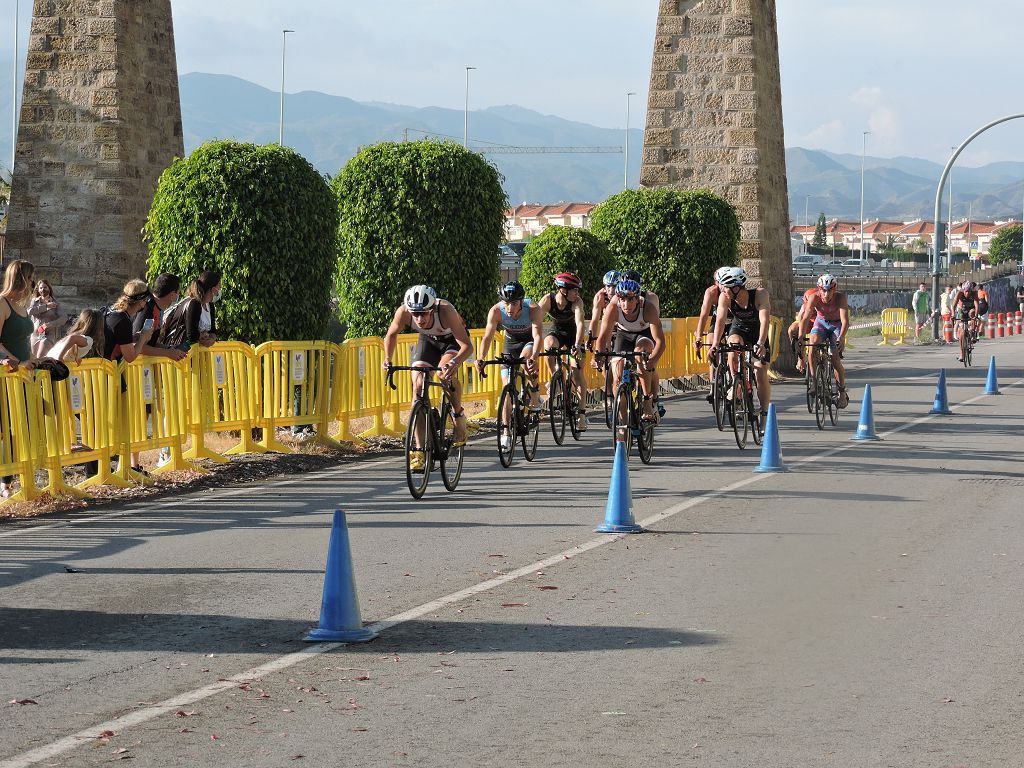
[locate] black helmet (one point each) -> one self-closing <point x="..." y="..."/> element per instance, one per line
<point x="512" y="291"/>
<point x="633" y="274"/>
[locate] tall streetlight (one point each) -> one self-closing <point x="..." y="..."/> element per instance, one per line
<point x="863" y="152"/>
<point x="14" y="95"/>
<point x="280" y="130"/>
<point x="949" y="214"/>
<point x="807" y="202"/>
<point x="625" y="169"/>
<point x="465" y="124"/>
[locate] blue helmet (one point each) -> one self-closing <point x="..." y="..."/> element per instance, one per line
<point x="627" y="286"/>
<point x="611" y="277"/>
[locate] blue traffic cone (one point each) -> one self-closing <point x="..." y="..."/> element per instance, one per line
<point x="339" y="611"/>
<point x="991" y="386"/>
<point x="866" y="426"/>
<point x="941" y="405"/>
<point x="618" y="513"/>
<point x="771" y="450"/>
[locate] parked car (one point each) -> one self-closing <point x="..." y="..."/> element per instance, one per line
<point x="856" y="263"/>
<point x="808" y="259"/>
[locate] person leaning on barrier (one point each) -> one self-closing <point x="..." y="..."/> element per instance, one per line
<point x="194" y="320"/>
<point x="163" y="295"/>
<point x="83" y="340"/>
<point x="15" y="328"/>
<point x="444" y="344"/>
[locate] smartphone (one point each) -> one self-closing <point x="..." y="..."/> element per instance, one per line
<point x="147" y="324"/>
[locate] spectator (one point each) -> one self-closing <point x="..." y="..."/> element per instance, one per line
<point x="15" y="328"/>
<point x="163" y="296"/>
<point x="194" y="321"/>
<point x="920" y="302"/>
<point x="84" y="339"/>
<point x="44" y="311"/>
<point x="1020" y="297"/>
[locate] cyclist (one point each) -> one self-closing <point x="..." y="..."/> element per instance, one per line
<point x="649" y="297"/>
<point x="965" y="306"/>
<point x="831" y="313"/>
<point x="637" y="328"/>
<point x="565" y="308"/>
<point x="601" y="299"/>
<point x="750" y="311"/>
<point x="444" y="343"/>
<point x="709" y="313"/>
<point x="523" y="324"/>
<point x="799" y="327"/>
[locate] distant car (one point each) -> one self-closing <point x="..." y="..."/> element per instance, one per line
<point x="885" y="263"/>
<point x="856" y="263"/>
<point x="518" y="247"/>
<point x="807" y="260"/>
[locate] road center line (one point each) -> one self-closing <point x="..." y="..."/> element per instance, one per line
<point x="169" y="706"/>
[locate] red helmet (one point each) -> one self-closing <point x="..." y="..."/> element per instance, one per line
<point x="567" y="280"/>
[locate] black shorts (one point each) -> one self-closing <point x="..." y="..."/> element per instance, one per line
<point x="626" y="341"/>
<point x="749" y="333"/>
<point x="430" y="349"/>
<point x="515" y="347"/>
<point x="566" y="337"/>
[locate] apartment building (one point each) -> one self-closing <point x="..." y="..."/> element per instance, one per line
<point x="528" y="220"/>
<point x="964" y="236"/>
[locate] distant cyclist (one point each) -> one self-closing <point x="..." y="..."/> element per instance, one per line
<point x="831" y="313"/>
<point x="637" y="328"/>
<point x="567" y="312"/>
<point x="750" y="311"/>
<point x="522" y="321"/>
<point x="708" y="314"/>
<point x="600" y="303"/>
<point x="799" y="327"/>
<point x="965" y="306"/>
<point x="444" y="343"/>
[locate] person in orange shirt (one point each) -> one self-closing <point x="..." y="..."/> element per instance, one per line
<point x="982" y="301"/>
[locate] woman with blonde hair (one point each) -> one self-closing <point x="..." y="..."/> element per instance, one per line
<point x="84" y="338"/>
<point x="15" y="327"/>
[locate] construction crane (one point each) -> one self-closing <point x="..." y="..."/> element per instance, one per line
<point x="493" y="148"/>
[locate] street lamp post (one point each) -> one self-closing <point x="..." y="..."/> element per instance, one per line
<point x="280" y="129"/>
<point x="807" y="202"/>
<point x="465" y="124"/>
<point x="14" y="95"/>
<point x="949" y="213"/>
<point x="625" y="169"/>
<point x="863" y="152"/>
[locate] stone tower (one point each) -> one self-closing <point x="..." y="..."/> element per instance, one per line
<point x="100" y="120"/>
<point x="714" y="119"/>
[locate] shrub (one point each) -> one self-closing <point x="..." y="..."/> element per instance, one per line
<point x="676" y="238"/>
<point x="1006" y="245"/>
<point x="564" y="249"/>
<point x="417" y="212"/>
<point x="266" y="219"/>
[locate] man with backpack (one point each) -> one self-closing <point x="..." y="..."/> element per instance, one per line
<point x="163" y="295"/>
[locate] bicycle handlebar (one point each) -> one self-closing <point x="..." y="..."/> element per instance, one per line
<point x="422" y="368"/>
<point x="503" y="359"/>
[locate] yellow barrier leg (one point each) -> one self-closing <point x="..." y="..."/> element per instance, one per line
<point x="270" y="441"/>
<point x="198" y="449"/>
<point x="344" y="433"/>
<point x="103" y="474"/>
<point x="177" y="462"/>
<point x="55" y="484"/>
<point x="246" y="444"/>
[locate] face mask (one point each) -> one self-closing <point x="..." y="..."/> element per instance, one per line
<point x="216" y="296"/>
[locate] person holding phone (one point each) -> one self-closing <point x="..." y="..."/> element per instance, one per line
<point x="163" y="297"/>
<point x="45" y="312"/>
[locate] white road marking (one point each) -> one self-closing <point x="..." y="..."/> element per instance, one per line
<point x="168" y="706"/>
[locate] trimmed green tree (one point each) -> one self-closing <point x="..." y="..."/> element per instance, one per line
<point x="1006" y="245"/>
<point x="262" y="216"/>
<point x="565" y="249"/>
<point x="676" y="238"/>
<point x="417" y="212"/>
<point x="819" y="240"/>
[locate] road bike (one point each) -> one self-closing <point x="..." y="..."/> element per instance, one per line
<point x="563" y="402"/>
<point x="627" y="416"/>
<point x="967" y="341"/>
<point x="800" y="351"/>
<point x="743" y="414"/>
<point x="825" y="388"/>
<point x="719" y="385"/>
<point x="515" y="420"/>
<point x="430" y="432"/>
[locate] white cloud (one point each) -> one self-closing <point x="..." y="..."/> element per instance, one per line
<point x="825" y="136"/>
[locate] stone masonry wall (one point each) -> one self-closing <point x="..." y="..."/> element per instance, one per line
<point x="100" y="121"/>
<point x="714" y="119"/>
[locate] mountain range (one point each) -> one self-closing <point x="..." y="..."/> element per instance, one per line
<point x="328" y="130"/>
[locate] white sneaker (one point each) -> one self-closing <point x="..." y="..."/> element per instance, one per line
<point x="581" y="424"/>
<point x="165" y="458"/>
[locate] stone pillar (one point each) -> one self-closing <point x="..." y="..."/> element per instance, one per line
<point x="714" y="119"/>
<point x="100" y="121"/>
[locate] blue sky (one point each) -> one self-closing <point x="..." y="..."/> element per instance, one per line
<point x="921" y="75"/>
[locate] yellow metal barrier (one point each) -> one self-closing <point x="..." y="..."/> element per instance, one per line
<point x="295" y="379"/>
<point x="476" y="388"/>
<point x="154" y="412"/>
<point x="20" y="436"/>
<point x="82" y="417"/>
<point x="222" y="396"/>
<point x="359" y="389"/>
<point x="894" y="324"/>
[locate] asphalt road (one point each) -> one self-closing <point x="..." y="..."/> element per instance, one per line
<point x="862" y="609"/>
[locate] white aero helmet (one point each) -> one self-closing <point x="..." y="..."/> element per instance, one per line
<point x="420" y="298"/>
<point x="827" y="282"/>
<point x="732" y="277"/>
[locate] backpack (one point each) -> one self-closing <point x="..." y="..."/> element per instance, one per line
<point x="172" y="326"/>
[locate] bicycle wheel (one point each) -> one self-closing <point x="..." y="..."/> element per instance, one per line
<point x="821" y="393"/>
<point x="807" y="385"/>
<point x="507" y="410"/>
<point x="622" y="416"/>
<point x="419" y="424"/>
<point x="529" y="423"/>
<point x="965" y="346"/>
<point x="833" y="396"/>
<point x="753" y="413"/>
<point x="608" y="395"/>
<point x="644" y="435"/>
<point x="721" y="395"/>
<point x="451" y="455"/>
<point x="572" y="412"/>
<point x="740" y="416"/>
<point x="970" y="350"/>
<point x="556" y="407"/>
